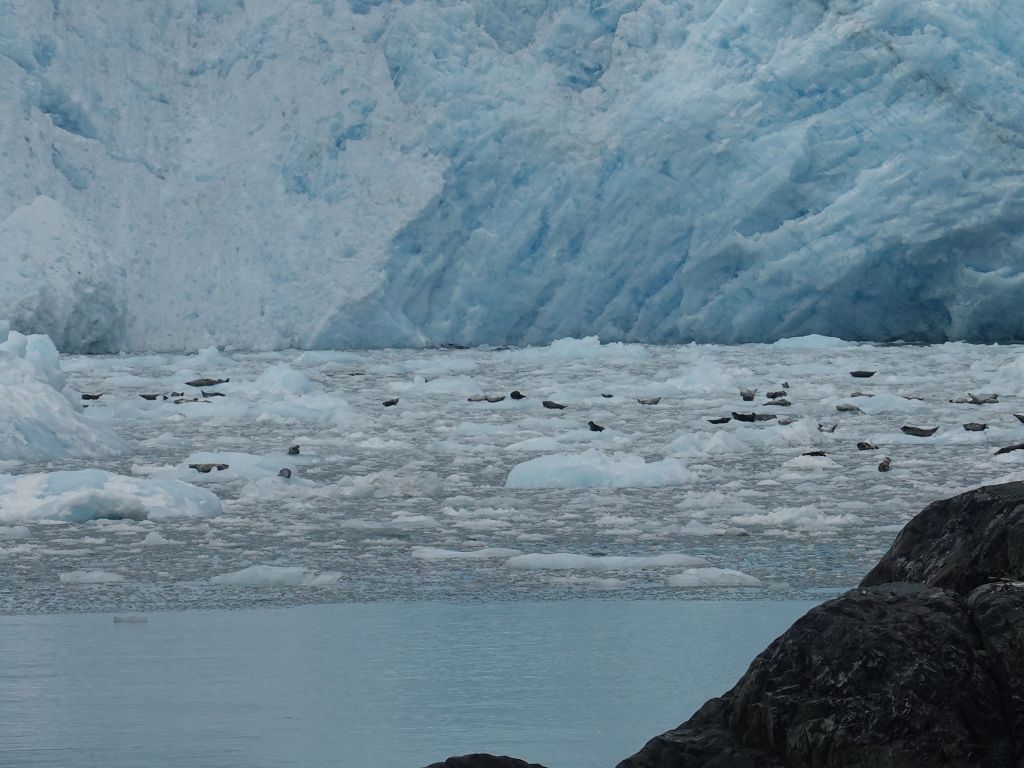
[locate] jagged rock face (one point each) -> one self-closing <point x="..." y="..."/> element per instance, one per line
<point x="897" y="675"/>
<point x="892" y="674"/>
<point x="483" y="761"/>
<point x="960" y="543"/>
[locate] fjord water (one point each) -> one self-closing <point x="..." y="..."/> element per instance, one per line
<point x="573" y="684"/>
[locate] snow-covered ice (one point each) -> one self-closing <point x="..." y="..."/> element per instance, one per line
<point x="93" y="494"/>
<point x="498" y="172"/>
<point x="595" y="469"/>
<point x="40" y="418"/>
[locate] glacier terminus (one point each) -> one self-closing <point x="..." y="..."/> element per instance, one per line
<point x="360" y="173"/>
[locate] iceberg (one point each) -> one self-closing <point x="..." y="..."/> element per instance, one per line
<point x="40" y="418"/>
<point x="359" y="173"/>
<point x="78" y="496"/>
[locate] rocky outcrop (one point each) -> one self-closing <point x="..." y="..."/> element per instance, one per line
<point x="483" y="761"/>
<point x="960" y="543"/>
<point x="921" y="666"/>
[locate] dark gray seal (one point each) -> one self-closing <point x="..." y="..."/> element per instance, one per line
<point x="206" y="382"/>
<point x="552" y="404"/>
<point x="389" y="403"/>
<point x="919" y="431"/>
<point x="885" y="464"/>
<point x="594" y="427"/>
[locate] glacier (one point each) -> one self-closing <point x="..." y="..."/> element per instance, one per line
<point x="360" y="173"/>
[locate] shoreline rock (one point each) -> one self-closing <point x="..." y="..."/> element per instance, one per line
<point x="922" y="665"/>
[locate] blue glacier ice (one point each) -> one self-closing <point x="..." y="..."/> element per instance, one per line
<point x="344" y="173"/>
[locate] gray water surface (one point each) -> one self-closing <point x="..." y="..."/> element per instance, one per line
<point x="573" y="684"/>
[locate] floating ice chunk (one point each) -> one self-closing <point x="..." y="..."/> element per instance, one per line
<point x="282" y="379"/>
<point x="270" y="576"/>
<point x="14" y="532"/>
<point x="595" y="469"/>
<point x="444" y="385"/>
<point x="92" y="494"/>
<point x="588" y="348"/>
<point x="564" y="561"/>
<point x="712" y="577"/>
<point x="389" y="483"/>
<point x="592" y="582"/>
<point x="807" y="518"/>
<point x="90" y="577"/>
<point x="812" y="341"/>
<point x="39" y="418"/>
<point x="433" y="553"/>
<point x="154" y="539"/>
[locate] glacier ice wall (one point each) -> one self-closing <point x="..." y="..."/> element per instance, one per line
<point x="381" y="172"/>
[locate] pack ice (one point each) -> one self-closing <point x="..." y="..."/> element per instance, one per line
<point x="339" y="173"/>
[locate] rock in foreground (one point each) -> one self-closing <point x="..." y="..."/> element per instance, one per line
<point x="922" y="666"/>
<point x="483" y="761"/>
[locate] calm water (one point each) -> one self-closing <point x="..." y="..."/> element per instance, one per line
<point x="572" y="684"/>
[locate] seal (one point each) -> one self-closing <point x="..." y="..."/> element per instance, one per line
<point x="604" y="395"/>
<point x="983" y="399"/>
<point x="648" y="400"/>
<point x="595" y="427"/>
<point x="748" y="394"/>
<point x="777" y="394"/>
<point x="389" y="403"/>
<point x="515" y="394"/>
<point x="494" y="398"/>
<point x="476" y="398"/>
<point x="157" y="396"/>
<point x="848" y="408"/>
<point x="1007" y="449"/>
<point x="206" y="468"/>
<point x="753" y="416"/>
<point x="919" y="431"/>
<point x="552" y="404"/>
<point x="204" y="393"/>
<point x="823" y="428"/>
<point x="864" y="445"/>
<point x="885" y="464"/>
<point x="293" y="451"/>
<point x="206" y="382"/>
<point x="862" y="374"/>
<point x="285" y="473"/>
<point x="720" y="420"/>
<point x="974" y="426"/>
<point x="91" y="397"/>
<point x="815" y="453"/>
<point x="781" y="401"/>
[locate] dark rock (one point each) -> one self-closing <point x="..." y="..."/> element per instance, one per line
<point x="484" y="761"/>
<point x="890" y="676"/>
<point x="959" y="543"/>
<point x="921" y="666"/>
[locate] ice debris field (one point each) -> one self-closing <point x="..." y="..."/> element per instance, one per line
<point x="121" y="502"/>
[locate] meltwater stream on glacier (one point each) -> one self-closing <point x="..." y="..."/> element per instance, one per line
<point x="443" y="498"/>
